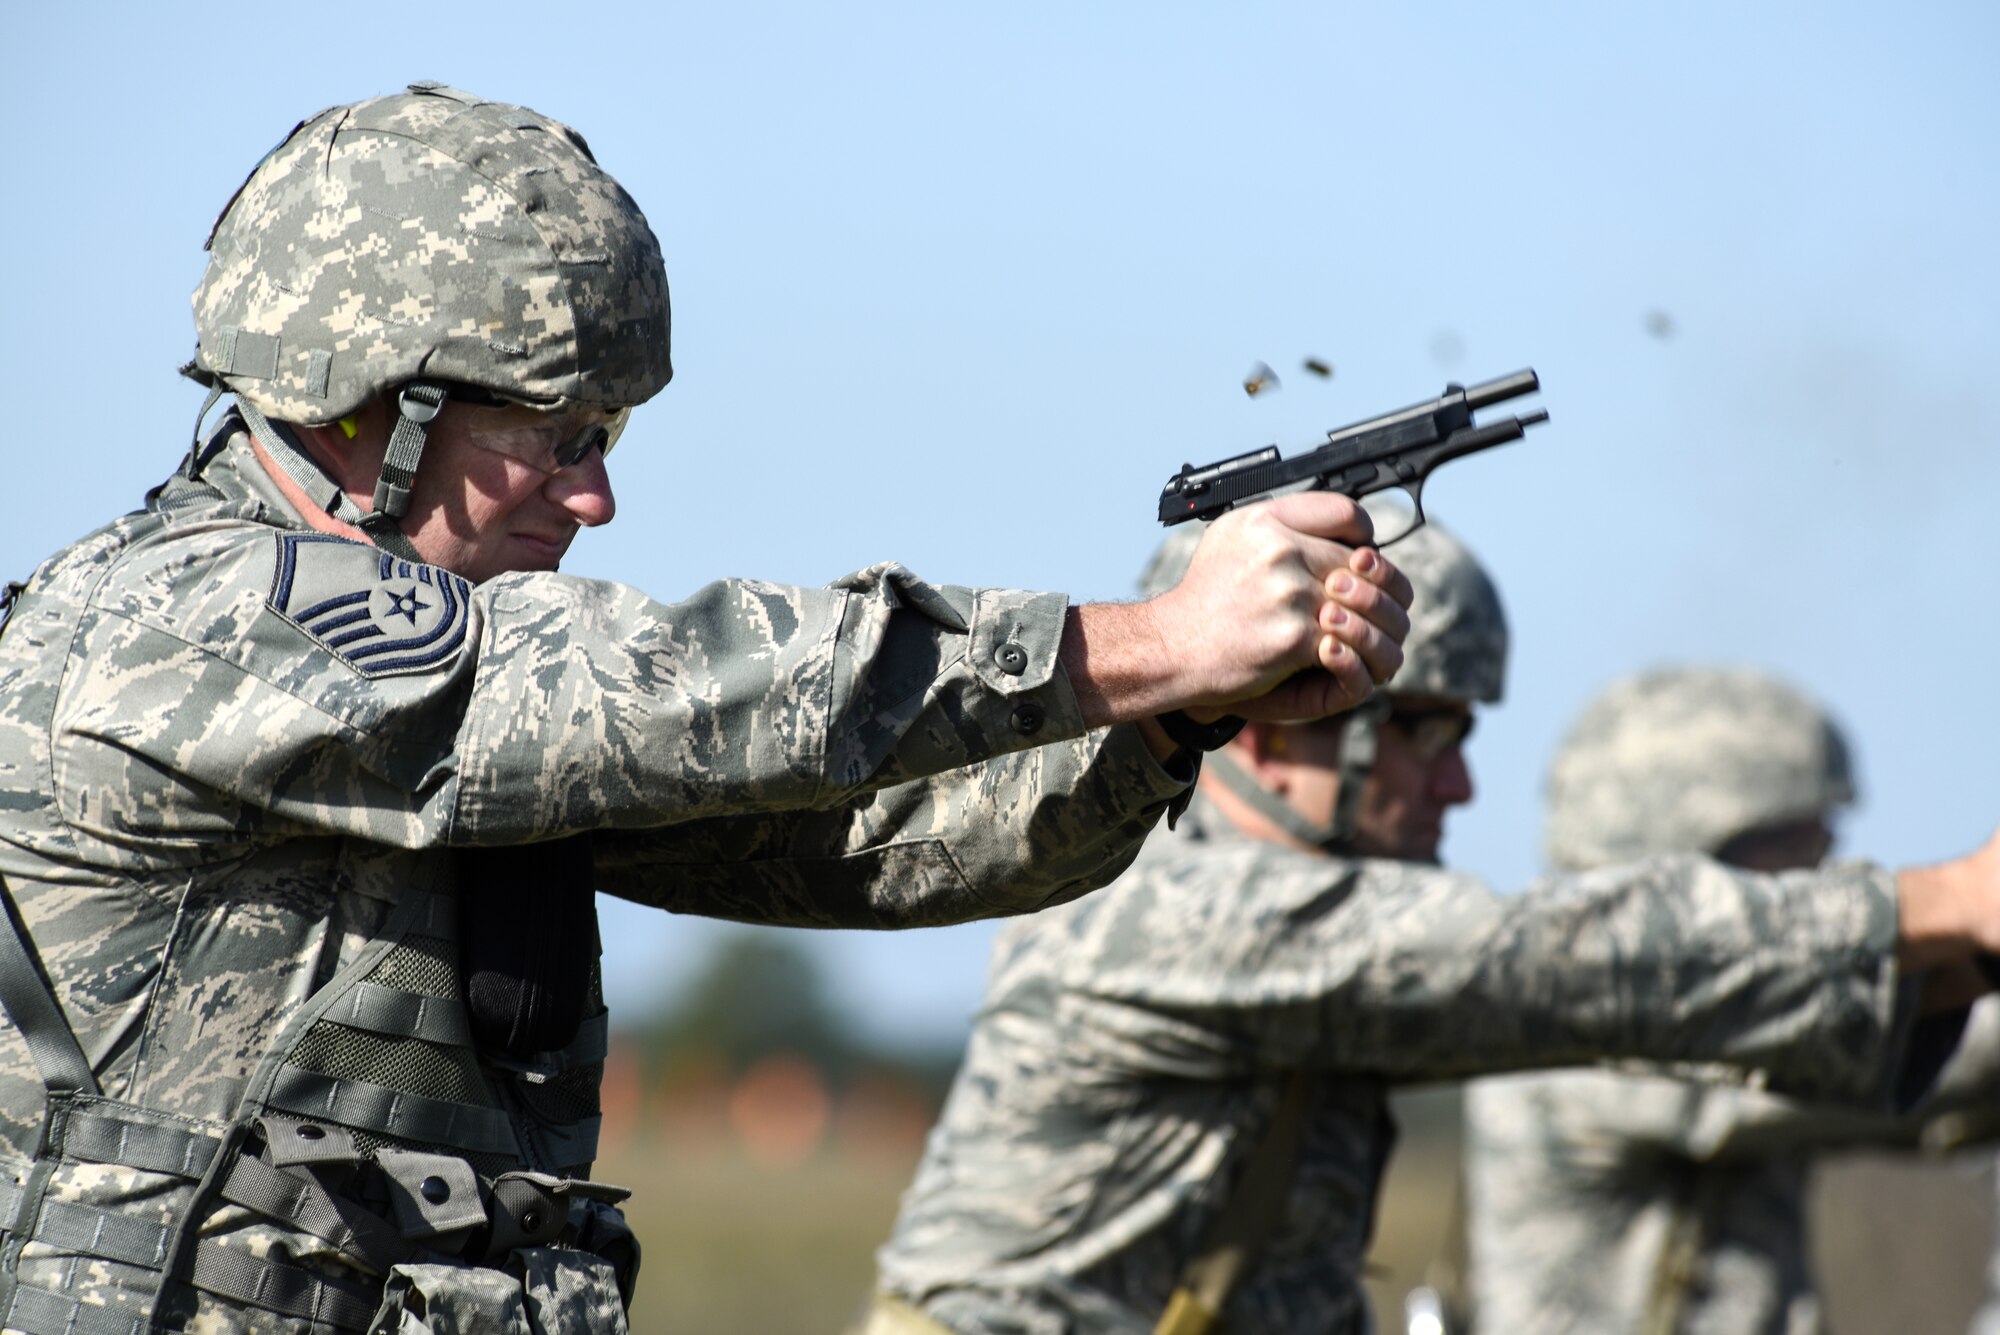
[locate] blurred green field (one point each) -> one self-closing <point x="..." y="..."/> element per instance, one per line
<point x="732" y="1245"/>
<point x="738" y="1244"/>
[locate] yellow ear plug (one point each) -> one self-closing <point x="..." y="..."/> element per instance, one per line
<point x="350" y="426"/>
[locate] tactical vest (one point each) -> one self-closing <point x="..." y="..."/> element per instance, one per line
<point x="384" y="1169"/>
<point x="371" y="1148"/>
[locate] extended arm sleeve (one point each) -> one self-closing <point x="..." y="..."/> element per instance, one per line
<point x="1260" y="958"/>
<point x="228" y="688"/>
<point x="1007" y="836"/>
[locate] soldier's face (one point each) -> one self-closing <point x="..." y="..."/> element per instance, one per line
<point x="1419" y="774"/>
<point x="490" y="498"/>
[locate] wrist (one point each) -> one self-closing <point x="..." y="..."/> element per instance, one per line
<point x="1937" y="921"/>
<point x="1120" y="664"/>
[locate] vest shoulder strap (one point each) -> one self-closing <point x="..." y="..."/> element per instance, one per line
<point x="31" y="1005"/>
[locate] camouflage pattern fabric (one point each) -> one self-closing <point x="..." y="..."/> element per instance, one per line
<point x="1133" y="1045"/>
<point x="432" y="234"/>
<point x="232" y="752"/>
<point x="555" y="1292"/>
<point x="1601" y="1200"/>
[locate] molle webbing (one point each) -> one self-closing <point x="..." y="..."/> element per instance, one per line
<point x="385" y="1060"/>
<point x="285" y="1289"/>
<point x="392" y="1112"/>
<point x="388" y="1010"/>
<point x="391" y="1057"/>
<point x="146" y="1245"/>
<point x="131" y="1252"/>
<point x="299" y="1200"/>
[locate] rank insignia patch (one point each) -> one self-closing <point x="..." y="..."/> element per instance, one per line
<point x="380" y="615"/>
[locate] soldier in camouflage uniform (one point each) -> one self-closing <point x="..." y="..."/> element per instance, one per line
<point x="309" y="767"/>
<point x="1172" y="1115"/>
<point x="1606" y="1201"/>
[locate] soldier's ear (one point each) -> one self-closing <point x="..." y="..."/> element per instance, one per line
<point x="352" y="458"/>
<point x="363" y="434"/>
<point x="1261" y="749"/>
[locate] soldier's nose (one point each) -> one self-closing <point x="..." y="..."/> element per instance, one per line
<point x="584" y="491"/>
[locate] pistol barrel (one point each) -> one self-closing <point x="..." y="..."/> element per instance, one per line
<point x="1499" y="391"/>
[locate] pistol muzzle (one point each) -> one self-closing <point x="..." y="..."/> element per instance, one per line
<point x="1499" y="391"/>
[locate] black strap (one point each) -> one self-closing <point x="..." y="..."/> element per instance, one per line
<point x="1989" y="967"/>
<point x="1192" y="736"/>
<point x="31" y="1005"/>
<point x="281" y="1288"/>
<point x="400" y="1014"/>
<point x="89" y="1231"/>
<point x="36" y="1312"/>
<point x="393" y="1112"/>
<point x="101" y="1136"/>
<point x="529" y="951"/>
<point x="191" y="466"/>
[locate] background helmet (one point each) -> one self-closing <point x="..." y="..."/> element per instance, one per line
<point x="1684" y="760"/>
<point x="1457" y="646"/>
<point x="431" y="235"/>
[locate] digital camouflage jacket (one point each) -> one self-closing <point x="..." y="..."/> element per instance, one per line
<point x="241" y="766"/>
<point x="1622" y="1200"/>
<point x="1133" y="1046"/>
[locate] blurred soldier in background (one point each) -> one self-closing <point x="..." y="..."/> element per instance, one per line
<point x="310" y="767"/>
<point x="1173" y="1116"/>
<point x="1602" y="1201"/>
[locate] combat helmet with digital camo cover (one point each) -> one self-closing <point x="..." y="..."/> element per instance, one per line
<point x="429" y="245"/>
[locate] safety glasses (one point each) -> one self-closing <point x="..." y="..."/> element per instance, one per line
<point x="1431" y="731"/>
<point x="556" y="442"/>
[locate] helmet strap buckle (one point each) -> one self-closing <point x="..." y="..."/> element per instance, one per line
<point x="420" y="401"/>
<point x="416" y="407"/>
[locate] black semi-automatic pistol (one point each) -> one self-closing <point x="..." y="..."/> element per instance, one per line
<point x="1399" y="450"/>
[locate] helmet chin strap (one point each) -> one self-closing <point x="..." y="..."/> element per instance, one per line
<point x="1357" y="759"/>
<point x="416" y="407"/>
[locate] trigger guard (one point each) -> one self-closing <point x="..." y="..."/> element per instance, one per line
<point x="1415" y="491"/>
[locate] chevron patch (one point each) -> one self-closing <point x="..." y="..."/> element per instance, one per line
<point x="380" y="615"/>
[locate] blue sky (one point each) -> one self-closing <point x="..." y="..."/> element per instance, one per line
<point x="961" y="287"/>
